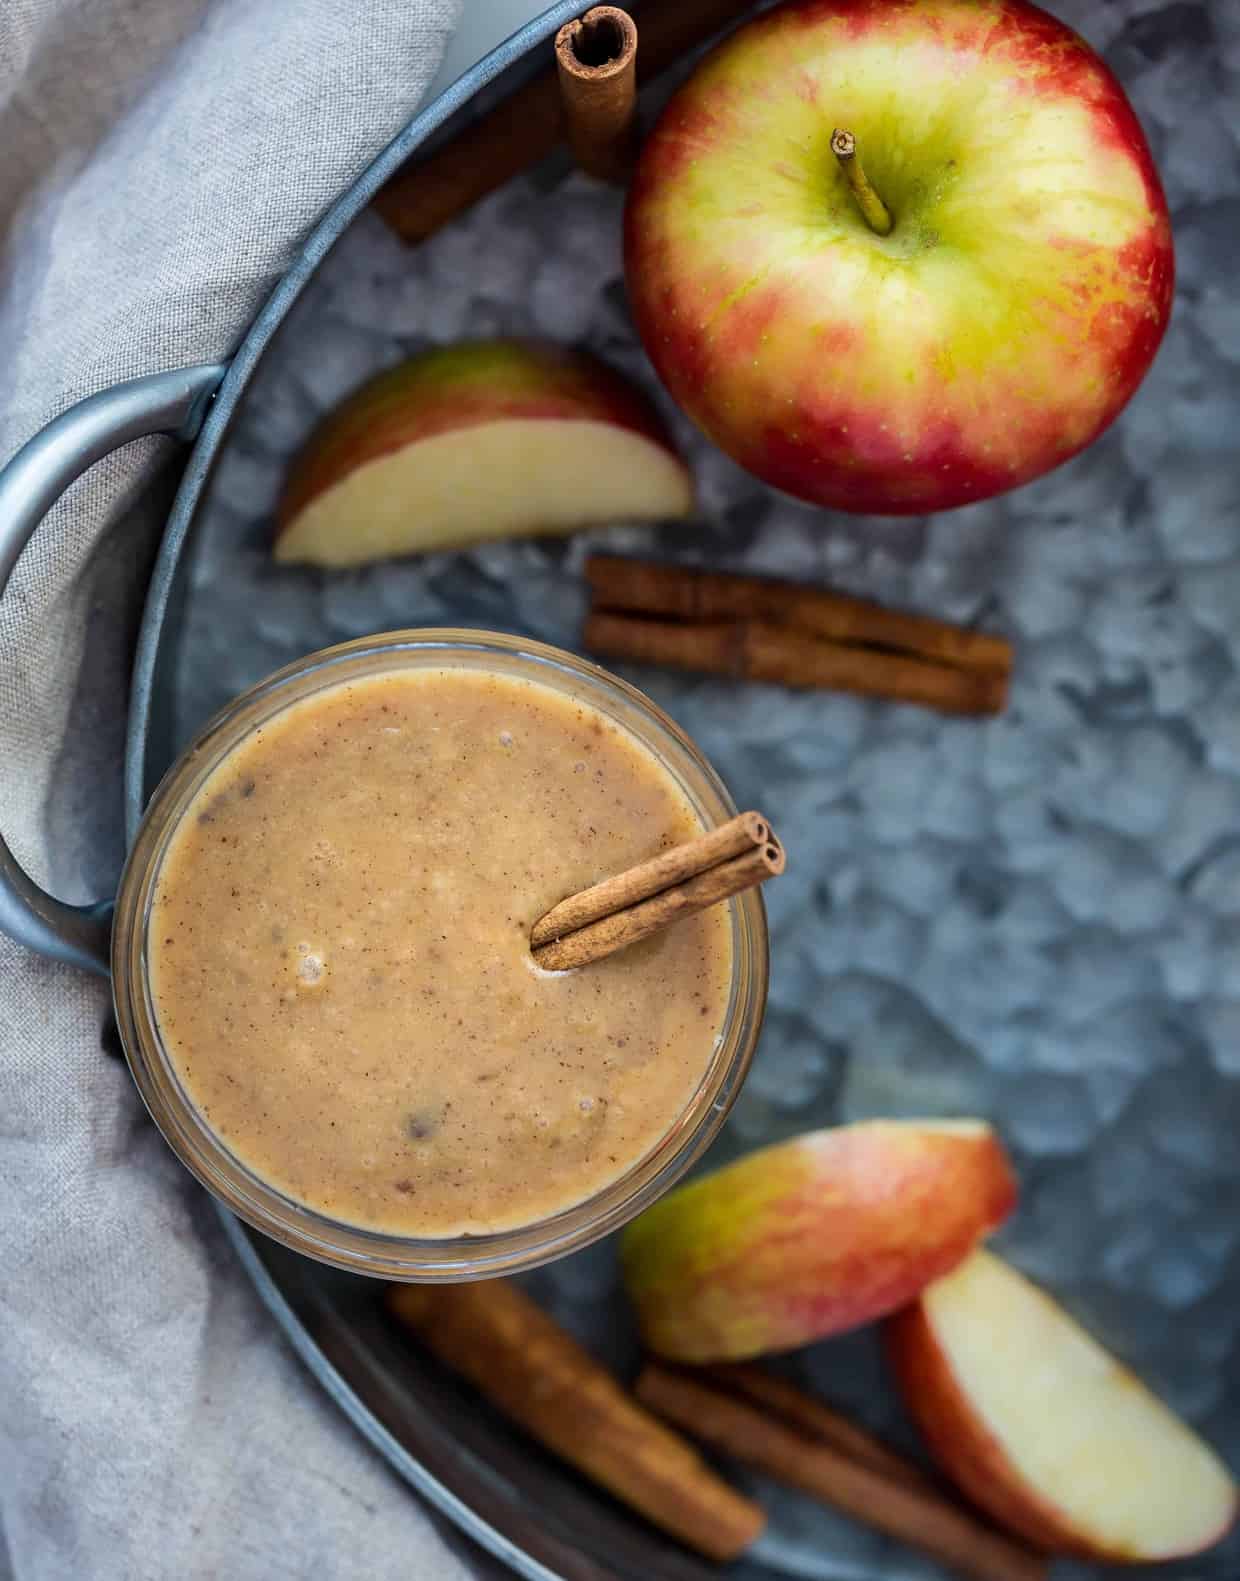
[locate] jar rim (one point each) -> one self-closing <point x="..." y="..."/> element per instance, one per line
<point x="263" y="1205"/>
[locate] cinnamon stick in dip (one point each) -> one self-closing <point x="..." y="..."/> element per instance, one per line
<point x="340" y="959"/>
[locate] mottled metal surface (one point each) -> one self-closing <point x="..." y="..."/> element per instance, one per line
<point x="1036" y="918"/>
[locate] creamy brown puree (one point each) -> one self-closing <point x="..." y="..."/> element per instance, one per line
<point x="340" y="966"/>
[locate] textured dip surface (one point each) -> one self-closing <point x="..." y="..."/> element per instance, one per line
<point x="340" y="962"/>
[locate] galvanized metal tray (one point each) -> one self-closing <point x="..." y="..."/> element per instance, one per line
<point x="1034" y="918"/>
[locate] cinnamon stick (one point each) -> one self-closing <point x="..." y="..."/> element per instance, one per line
<point x="920" y="1518"/>
<point x="787" y="1403"/>
<point x="734" y="838"/>
<point x="759" y="650"/>
<point x="596" y="59"/>
<point x="532" y="1370"/>
<point x="645" y="587"/>
<point x="600" y="939"/>
<point x="526" y="126"/>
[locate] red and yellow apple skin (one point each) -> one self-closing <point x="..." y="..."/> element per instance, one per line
<point x="812" y="1236"/>
<point x="464" y="386"/>
<point x="486" y="439"/>
<point x="1044" y="1430"/>
<point x="1011" y="312"/>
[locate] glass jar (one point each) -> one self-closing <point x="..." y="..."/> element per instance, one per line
<point x="348" y="1245"/>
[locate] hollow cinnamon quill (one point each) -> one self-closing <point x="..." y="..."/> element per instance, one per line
<point x="919" y="1518"/>
<point x="645" y="899"/>
<point x="759" y="650"/>
<point x="651" y="588"/>
<point x="531" y="1369"/>
<point x="743" y="833"/>
<point x="526" y="126"/>
<point x="787" y="1403"/>
<point x="596" y="59"/>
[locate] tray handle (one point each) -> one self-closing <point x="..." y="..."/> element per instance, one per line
<point x="161" y="403"/>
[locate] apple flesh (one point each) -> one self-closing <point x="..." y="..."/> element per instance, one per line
<point x="1046" y="1431"/>
<point x="485" y="440"/>
<point x="1009" y="314"/>
<point x="812" y="1236"/>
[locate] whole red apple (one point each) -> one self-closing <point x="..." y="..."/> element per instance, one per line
<point x="1009" y="312"/>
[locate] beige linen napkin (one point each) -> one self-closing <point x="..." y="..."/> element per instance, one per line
<point x="160" y="160"/>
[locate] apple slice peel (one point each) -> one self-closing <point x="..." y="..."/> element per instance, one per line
<point x="812" y="1236"/>
<point x="1046" y="1431"/>
<point x="469" y="443"/>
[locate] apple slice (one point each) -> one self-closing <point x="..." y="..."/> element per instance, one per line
<point x="489" y="439"/>
<point x="812" y="1236"/>
<point x="1045" y="1430"/>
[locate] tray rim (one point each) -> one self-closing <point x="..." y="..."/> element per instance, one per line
<point x="146" y="669"/>
<point x="342" y="1395"/>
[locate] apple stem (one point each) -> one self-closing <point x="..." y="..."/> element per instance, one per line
<point x="875" y="212"/>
